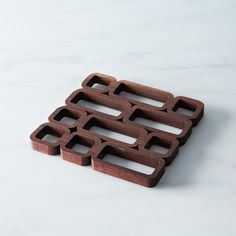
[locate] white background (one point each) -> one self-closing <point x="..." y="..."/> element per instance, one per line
<point x="46" y="50"/>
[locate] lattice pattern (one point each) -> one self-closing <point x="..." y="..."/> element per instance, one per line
<point x="78" y="130"/>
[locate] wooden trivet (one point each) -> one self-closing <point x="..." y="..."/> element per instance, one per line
<point x="99" y="145"/>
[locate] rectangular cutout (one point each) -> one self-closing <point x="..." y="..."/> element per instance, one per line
<point x="184" y="111"/>
<point x="158" y="149"/>
<point x="113" y="134"/>
<point x="67" y="120"/>
<point x="80" y="143"/>
<point x="142" y="99"/>
<point x="65" y="115"/>
<point x="128" y="164"/>
<point x="50" y="138"/>
<point x="98" y="107"/>
<point x="159" y="145"/>
<point x="158" y="125"/>
<point x="99" y="86"/>
<point x="80" y="148"/>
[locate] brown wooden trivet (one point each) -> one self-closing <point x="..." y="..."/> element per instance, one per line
<point x="109" y="94"/>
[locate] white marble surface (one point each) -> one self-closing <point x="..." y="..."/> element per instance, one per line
<point x="46" y="49"/>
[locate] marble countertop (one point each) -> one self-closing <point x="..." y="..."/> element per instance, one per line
<point x="48" y="47"/>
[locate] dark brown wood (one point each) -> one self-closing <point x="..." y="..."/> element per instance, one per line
<point x="99" y="78"/>
<point x="68" y="112"/>
<point x="115" y="126"/>
<point x="38" y="144"/>
<point x="162" y="117"/>
<point x="155" y="94"/>
<point x="171" y="144"/>
<point x="124" y="173"/>
<point x="97" y="98"/>
<point x="78" y="157"/>
<point x="193" y="105"/>
<point x="81" y="119"/>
